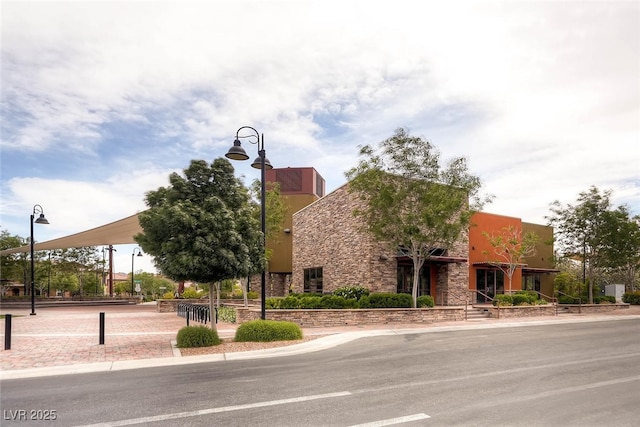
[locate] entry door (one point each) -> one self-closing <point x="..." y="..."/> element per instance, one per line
<point x="490" y="283"/>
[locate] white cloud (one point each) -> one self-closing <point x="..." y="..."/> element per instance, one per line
<point x="543" y="98"/>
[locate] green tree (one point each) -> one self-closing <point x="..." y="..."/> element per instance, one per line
<point x="275" y="210"/>
<point x="201" y="227"/>
<point x="411" y="200"/>
<point x="13" y="267"/>
<point x="65" y="281"/>
<point x="79" y="262"/>
<point x="579" y="231"/>
<point x="620" y="239"/>
<point x="509" y="248"/>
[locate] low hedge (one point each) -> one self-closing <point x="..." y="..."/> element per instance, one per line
<point x="197" y="336"/>
<point x="319" y="301"/>
<point x="632" y="298"/>
<point x="267" y="330"/>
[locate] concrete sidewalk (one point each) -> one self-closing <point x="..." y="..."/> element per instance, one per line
<point x="66" y="340"/>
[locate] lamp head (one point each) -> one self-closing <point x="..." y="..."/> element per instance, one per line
<point x="236" y="152"/>
<point x="257" y="165"/>
<point x="41" y="220"/>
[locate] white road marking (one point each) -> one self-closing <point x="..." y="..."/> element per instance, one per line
<point x="179" y="415"/>
<point x="394" y="421"/>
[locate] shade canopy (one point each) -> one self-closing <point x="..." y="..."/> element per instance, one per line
<point x="120" y="232"/>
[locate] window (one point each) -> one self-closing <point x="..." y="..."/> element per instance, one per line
<point x="313" y="280"/>
<point x="531" y="282"/>
<point x="405" y="279"/>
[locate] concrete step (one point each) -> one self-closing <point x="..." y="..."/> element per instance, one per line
<point x="477" y="314"/>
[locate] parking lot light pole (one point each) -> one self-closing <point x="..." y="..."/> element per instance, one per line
<point x="236" y="152"/>
<point x="37" y="209"/>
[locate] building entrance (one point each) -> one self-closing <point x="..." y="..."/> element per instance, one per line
<point x="489" y="283"/>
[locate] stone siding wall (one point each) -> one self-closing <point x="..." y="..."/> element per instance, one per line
<point x="327" y="235"/>
<point x="329" y="318"/>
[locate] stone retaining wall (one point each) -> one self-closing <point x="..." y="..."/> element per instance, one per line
<point x="550" y="310"/>
<point x="591" y="308"/>
<point x="522" y="311"/>
<point x="329" y="318"/>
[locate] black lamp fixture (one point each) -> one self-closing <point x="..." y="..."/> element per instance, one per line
<point x="37" y="209"/>
<point x="132" y="258"/>
<point x="236" y="152"/>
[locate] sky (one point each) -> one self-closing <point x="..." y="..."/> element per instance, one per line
<point x="101" y="101"/>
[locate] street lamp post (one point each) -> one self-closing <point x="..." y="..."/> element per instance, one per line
<point x="237" y="153"/>
<point x="132" y="258"/>
<point x="37" y="209"/>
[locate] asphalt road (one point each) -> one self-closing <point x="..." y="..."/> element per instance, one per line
<point x="581" y="374"/>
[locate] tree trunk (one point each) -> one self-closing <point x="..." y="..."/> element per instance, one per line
<point x="212" y="309"/>
<point x="245" y="289"/>
<point x="417" y="266"/>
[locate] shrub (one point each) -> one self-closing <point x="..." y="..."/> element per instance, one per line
<point x="502" y="300"/>
<point x="252" y="295"/>
<point x="168" y="295"/>
<point x="565" y="299"/>
<point x="604" y="299"/>
<point x="522" y="299"/>
<point x="541" y="302"/>
<point x="333" y="302"/>
<point x="310" y="302"/>
<point x="386" y="300"/>
<point x="267" y="330"/>
<point x="272" y="303"/>
<point x="190" y="293"/>
<point x="632" y="298"/>
<point x="197" y="336"/>
<point x="289" y="302"/>
<point x="351" y="292"/>
<point x="425" y="301"/>
<point x="227" y="314"/>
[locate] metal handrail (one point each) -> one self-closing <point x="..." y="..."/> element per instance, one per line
<point x="481" y="293"/>
<point x="575" y="298"/>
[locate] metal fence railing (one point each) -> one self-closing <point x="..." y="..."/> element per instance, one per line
<point x="196" y="312"/>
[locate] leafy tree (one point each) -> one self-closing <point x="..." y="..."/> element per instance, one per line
<point x="150" y="284"/>
<point x="12" y="266"/>
<point x="621" y="244"/>
<point x="65" y="281"/>
<point x="579" y="230"/>
<point x="201" y="227"/>
<point x="509" y="248"/>
<point x="275" y="211"/>
<point x="411" y="200"/>
<point x="567" y="283"/>
<point x="79" y="262"/>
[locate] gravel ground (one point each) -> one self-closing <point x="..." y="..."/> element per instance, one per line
<point x="230" y="346"/>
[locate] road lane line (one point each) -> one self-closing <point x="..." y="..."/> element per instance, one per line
<point x="200" y="412"/>
<point x="394" y="421"/>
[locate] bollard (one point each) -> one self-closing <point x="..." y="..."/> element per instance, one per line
<point x="101" y="328"/>
<point x="7" y="332"/>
